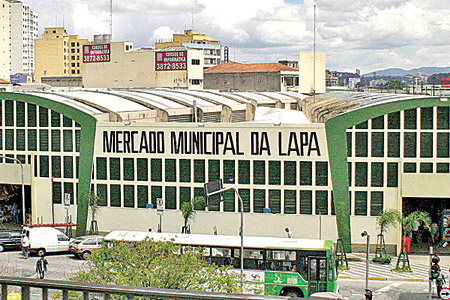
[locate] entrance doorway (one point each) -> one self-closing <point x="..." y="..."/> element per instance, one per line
<point x="433" y="206"/>
<point x="11" y="201"/>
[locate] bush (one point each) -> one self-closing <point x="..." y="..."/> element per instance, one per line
<point x="382" y="260"/>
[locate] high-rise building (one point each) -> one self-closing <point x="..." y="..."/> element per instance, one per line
<point x="194" y="40"/>
<point x="23" y="30"/>
<point x="59" y="54"/>
<point x="4" y="39"/>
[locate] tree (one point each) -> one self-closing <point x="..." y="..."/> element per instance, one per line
<point x="389" y="218"/>
<point x="93" y="202"/>
<point x="156" y="265"/>
<point x="188" y="211"/>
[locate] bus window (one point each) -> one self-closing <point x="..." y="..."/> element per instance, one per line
<point x="281" y="260"/>
<point x="221" y="256"/>
<point x="251" y="257"/>
<point x="330" y="270"/>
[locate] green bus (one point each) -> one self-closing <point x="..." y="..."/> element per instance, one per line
<point x="278" y="266"/>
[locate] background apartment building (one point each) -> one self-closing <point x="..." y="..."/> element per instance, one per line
<point x="59" y="54"/>
<point x="194" y="40"/>
<point x="23" y="30"/>
<point x="4" y="39"/>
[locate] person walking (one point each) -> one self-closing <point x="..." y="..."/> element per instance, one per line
<point x="41" y="267"/>
<point x="15" y="211"/>
<point x="25" y="246"/>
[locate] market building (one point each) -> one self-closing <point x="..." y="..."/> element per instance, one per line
<point x="361" y="154"/>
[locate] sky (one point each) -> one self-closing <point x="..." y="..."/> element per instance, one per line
<point x="356" y="34"/>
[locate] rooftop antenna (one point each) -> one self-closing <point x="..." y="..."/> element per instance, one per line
<point x="314" y="57"/>
<point x="110" y="19"/>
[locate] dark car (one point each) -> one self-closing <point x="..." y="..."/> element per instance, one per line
<point x="10" y="240"/>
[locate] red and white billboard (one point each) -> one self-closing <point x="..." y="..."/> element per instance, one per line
<point x="170" y="60"/>
<point x="96" y="53"/>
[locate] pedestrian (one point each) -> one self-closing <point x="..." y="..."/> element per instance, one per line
<point x="288" y="232"/>
<point x="25" y="246"/>
<point x="434" y="232"/>
<point x="41" y="267"/>
<point x="15" y="211"/>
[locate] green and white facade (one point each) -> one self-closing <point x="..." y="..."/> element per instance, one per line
<point x="327" y="179"/>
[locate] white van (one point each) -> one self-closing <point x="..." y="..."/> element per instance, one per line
<point x="46" y="239"/>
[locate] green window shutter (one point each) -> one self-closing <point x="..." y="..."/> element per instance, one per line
<point x="67" y="122"/>
<point x="443" y="167"/>
<point x="443" y="117"/>
<point x="43" y="117"/>
<point x="229" y="171"/>
<point x="43" y="166"/>
<point x="21" y="158"/>
<point x="275" y="201"/>
<point x="245" y="195"/>
<point x="349" y="173"/>
<point x="185" y="195"/>
<point x="394" y="144"/>
<point x="377" y="144"/>
<point x="409" y="168"/>
<point x="349" y="144"/>
<point x="305" y="202"/>
<point x="259" y="172"/>
<point x="1" y="113"/>
<point x="213" y="169"/>
<point x="171" y="197"/>
<point x="9" y="113"/>
<point x="20" y="139"/>
<point x="9" y="161"/>
<point x="426" y="118"/>
<point x="1" y="138"/>
<point x="142" y="169"/>
<point x="9" y="139"/>
<point x="442" y="144"/>
<point x="43" y="140"/>
<point x="128" y="195"/>
<point x="199" y="170"/>
<point x="77" y="140"/>
<point x="305" y="173"/>
<point x="142" y="194"/>
<point x="68" y="189"/>
<point x="378" y="123"/>
<point x="361" y="174"/>
<point x="361" y="144"/>
<point x="156" y="193"/>
<point x="259" y="200"/>
<point x="102" y="193"/>
<point x="360" y="203"/>
<point x="68" y="167"/>
<point x="376" y="203"/>
<point x="57" y="193"/>
<point x="185" y="170"/>
<point x="229" y="201"/>
<point x="394" y="120"/>
<point x="32" y="116"/>
<point x="56" y="166"/>
<point x="170" y="170"/>
<point x="77" y="167"/>
<point x="410" y="142"/>
<point x="20" y="108"/>
<point x="321" y="202"/>
<point x="128" y="169"/>
<point x="68" y="140"/>
<point x="426" y="167"/>
<point x="290" y="201"/>
<point x="115" y="195"/>
<point x="156" y="171"/>
<point x="362" y="125"/>
<point x="274" y="172"/>
<point x="290" y="173"/>
<point x="244" y="171"/>
<point x="32" y="140"/>
<point x="56" y="119"/>
<point x="56" y="140"/>
<point x="377" y="178"/>
<point x="114" y="168"/>
<point x="101" y="168"/>
<point x="426" y="144"/>
<point x="321" y="173"/>
<point x="200" y="192"/>
<point x="410" y="118"/>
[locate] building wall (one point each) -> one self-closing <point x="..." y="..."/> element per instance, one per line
<point x="4" y="40"/>
<point x="307" y="68"/>
<point x="258" y="82"/>
<point x="137" y="69"/>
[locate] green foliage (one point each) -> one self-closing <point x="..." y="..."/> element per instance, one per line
<point x="395" y="84"/>
<point x="402" y="270"/>
<point x="414" y="218"/>
<point x="92" y="200"/>
<point x="343" y="268"/>
<point x="188" y="209"/>
<point x="382" y="260"/>
<point x="156" y="265"/>
<point x="389" y="218"/>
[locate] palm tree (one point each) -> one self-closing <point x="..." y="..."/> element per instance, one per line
<point x="389" y="218"/>
<point x="188" y="211"/>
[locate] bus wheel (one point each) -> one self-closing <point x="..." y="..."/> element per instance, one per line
<point x="290" y="292"/>
<point x="41" y="252"/>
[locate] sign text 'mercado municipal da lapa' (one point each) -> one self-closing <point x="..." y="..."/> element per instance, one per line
<point x="211" y="143"/>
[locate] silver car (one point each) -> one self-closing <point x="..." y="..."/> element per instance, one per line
<point x="83" y="246"/>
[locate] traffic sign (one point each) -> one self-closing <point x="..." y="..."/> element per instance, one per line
<point x="66" y="199"/>
<point x="445" y="293"/>
<point x="160" y="206"/>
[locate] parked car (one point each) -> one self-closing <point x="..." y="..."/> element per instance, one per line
<point x="46" y="239"/>
<point x="10" y="240"/>
<point x="83" y="246"/>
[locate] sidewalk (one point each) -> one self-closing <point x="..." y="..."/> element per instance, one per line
<point x="419" y="265"/>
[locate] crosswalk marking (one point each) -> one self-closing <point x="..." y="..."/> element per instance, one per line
<point x="389" y="287"/>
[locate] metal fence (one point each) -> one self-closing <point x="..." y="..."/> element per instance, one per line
<point x="87" y="290"/>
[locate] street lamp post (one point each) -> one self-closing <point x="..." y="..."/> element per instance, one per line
<point x="368" y="293"/>
<point x="23" y="185"/>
